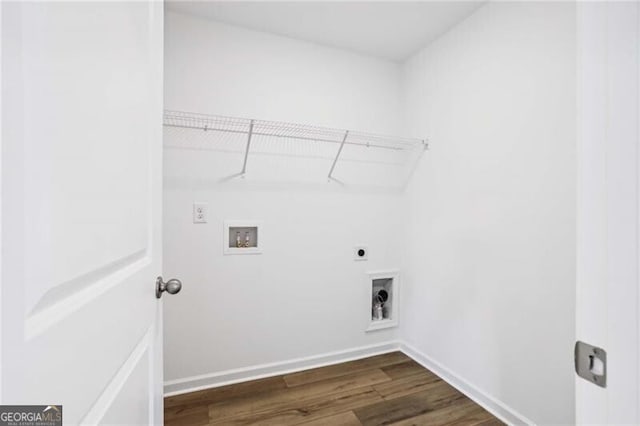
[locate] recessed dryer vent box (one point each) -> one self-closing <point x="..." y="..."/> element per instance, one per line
<point x="382" y="299"/>
<point x="242" y="237"/>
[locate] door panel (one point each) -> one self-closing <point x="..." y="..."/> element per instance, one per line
<point x="81" y="192"/>
<point x="97" y="164"/>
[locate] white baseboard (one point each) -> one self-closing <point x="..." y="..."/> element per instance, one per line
<point x="206" y="381"/>
<point x="480" y="397"/>
<point x="486" y="401"/>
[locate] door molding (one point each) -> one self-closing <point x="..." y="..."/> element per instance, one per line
<point x="608" y="206"/>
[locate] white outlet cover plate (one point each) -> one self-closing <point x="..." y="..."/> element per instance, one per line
<point x="356" y="253"/>
<point x="200" y="212"/>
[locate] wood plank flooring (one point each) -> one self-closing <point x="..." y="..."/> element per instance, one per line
<point x="389" y="389"/>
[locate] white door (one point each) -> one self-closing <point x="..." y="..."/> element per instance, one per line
<point x="607" y="303"/>
<point x="81" y="200"/>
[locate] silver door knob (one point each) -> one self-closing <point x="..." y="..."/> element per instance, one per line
<point x="172" y="286"/>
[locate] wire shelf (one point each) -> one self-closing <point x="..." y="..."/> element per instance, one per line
<point x="232" y="134"/>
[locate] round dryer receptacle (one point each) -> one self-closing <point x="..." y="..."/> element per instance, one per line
<point x="360" y="253"/>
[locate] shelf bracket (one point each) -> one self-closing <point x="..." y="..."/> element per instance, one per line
<point x="246" y="152"/>
<point x="335" y="160"/>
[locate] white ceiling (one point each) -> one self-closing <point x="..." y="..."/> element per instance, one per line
<point x="389" y="30"/>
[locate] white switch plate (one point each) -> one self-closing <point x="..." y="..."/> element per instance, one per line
<point x="200" y="212"/>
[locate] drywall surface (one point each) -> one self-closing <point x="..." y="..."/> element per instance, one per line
<point x="221" y="69"/>
<point x="489" y="276"/>
<point x="304" y="295"/>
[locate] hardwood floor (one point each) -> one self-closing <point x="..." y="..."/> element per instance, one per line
<point x="389" y="389"/>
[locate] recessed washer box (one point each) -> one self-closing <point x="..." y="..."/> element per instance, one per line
<point x="242" y="237"/>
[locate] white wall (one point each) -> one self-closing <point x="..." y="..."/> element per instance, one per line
<point x="489" y="287"/>
<point x="222" y="69"/>
<point x="304" y="295"/>
<point x="485" y="234"/>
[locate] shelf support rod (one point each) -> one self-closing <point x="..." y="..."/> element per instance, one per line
<point x="335" y="160"/>
<point x="246" y="152"/>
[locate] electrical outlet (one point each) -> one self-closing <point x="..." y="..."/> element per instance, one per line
<point x="199" y="212"/>
<point x="360" y="253"/>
